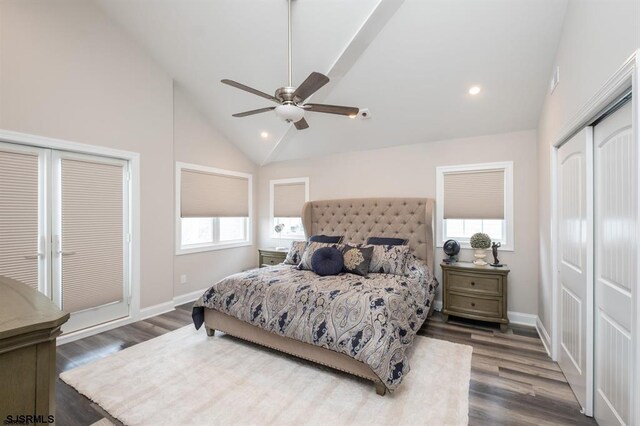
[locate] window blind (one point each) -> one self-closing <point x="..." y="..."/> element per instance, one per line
<point x="92" y="234"/>
<point x="19" y="217"/>
<point x="204" y="194"/>
<point x="477" y="194"/>
<point x="288" y="199"/>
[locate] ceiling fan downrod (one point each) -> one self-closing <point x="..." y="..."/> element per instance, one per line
<point x="291" y="100"/>
<point x="289" y="44"/>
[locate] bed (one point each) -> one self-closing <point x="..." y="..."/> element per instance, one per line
<point x="361" y="326"/>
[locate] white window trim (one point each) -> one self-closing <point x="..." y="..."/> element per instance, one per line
<point x="507" y="166"/>
<point x="272" y="184"/>
<point x="198" y="248"/>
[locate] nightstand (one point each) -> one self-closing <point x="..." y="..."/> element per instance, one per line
<point x="475" y="292"/>
<point x="271" y="256"/>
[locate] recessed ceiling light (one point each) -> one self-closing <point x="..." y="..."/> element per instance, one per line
<point x="474" y="90"/>
<point x="264" y="135"/>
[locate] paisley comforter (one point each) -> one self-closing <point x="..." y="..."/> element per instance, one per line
<point x="372" y="319"/>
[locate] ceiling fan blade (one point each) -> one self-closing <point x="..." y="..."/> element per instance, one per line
<point x="310" y="86"/>
<point x="250" y="90"/>
<point x="332" y="109"/>
<point x="301" y="124"/>
<point x="254" y="111"/>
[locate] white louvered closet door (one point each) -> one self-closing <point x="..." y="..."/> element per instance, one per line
<point x="90" y="247"/>
<point x="22" y="225"/>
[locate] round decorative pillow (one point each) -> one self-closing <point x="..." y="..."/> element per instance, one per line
<point x="327" y="261"/>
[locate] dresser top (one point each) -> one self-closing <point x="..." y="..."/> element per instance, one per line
<point x="23" y="310"/>
<point x="470" y="267"/>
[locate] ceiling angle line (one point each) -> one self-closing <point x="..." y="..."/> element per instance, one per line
<point x="364" y="36"/>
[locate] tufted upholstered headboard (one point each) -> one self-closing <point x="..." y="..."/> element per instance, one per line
<point x="360" y="218"/>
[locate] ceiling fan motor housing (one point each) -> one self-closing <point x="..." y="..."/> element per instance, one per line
<point x="289" y="112"/>
<point x="286" y="94"/>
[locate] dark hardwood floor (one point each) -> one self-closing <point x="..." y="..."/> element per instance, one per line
<point x="513" y="381"/>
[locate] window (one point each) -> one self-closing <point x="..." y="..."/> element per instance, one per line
<point x="287" y="198"/>
<point x="475" y="198"/>
<point x="212" y="207"/>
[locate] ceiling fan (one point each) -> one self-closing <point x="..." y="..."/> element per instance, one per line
<point x="291" y="107"/>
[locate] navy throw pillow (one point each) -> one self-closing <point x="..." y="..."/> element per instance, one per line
<point x="327" y="261"/>
<point x="385" y="241"/>
<point x="328" y="239"/>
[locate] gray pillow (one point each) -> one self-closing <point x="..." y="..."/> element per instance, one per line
<point x="389" y="259"/>
<point x="387" y="241"/>
<point x="332" y="239"/>
<point x="294" y="256"/>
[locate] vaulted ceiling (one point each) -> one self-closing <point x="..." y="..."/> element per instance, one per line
<point x="410" y="62"/>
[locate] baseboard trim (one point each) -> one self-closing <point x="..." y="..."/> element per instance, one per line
<point x="154" y="310"/>
<point x="544" y="335"/>
<point x="188" y="297"/>
<point x="86" y="332"/>
<point x="520" y="318"/>
<point x="144" y="313"/>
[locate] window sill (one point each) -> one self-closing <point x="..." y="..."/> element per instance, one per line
<point x="298" y="237"/>
<point x="212" y="247"/>
<point x="467" y="246"/>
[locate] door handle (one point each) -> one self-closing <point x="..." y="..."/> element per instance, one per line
<point x="59" y="250"/>
<point x="41" y="249"/>
<point x="34" y="256"/>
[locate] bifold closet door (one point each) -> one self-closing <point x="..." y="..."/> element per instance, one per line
<point x="616" y="203"/>
<point x="574" y="275"/>
<point x="90" y="247"/>
<point x="22" y="241"/>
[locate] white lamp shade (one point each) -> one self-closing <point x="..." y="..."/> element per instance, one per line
<point x="290" y="113"/>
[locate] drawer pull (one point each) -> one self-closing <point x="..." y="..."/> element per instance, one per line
<point x="472" y="283"/>
<point x="473" y="304"/>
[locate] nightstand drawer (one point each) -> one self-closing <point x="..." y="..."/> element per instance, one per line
<point x="271" y="260"/>
<point x="474" y="283"/>
<point x="474" y="305"/>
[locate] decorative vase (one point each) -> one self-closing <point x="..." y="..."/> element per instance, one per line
<point x="480" y="254"/>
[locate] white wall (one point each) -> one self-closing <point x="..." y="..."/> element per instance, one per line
<point x="199" y="143"/>
<point x="67" y="72"/>
<point x="598" y="36"/>
<point x="410" y="171"/>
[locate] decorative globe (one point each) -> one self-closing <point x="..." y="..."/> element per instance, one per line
<point x="451" y="247"/>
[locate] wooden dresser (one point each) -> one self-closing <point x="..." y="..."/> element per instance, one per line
<point x="475" y="292"/>
<point x="29" y="325"/>
<point x="271" y="256"/>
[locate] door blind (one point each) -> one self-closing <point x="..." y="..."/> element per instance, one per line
<point x="92" y="234"/>
<point x="19" y="217"/>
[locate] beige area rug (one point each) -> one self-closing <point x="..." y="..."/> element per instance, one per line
<point x="184" y="377"/>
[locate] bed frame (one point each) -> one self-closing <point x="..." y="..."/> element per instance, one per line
<point x="356" y="219"/>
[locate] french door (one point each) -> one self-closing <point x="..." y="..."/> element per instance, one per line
<point x="64" y="230"/>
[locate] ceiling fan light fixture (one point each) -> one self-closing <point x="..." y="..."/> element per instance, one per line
<point x="289" y="113"/>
